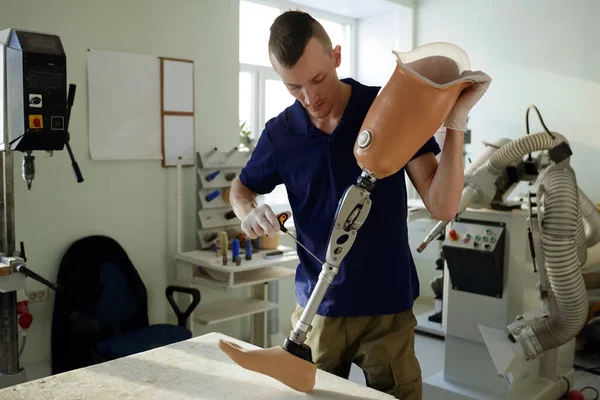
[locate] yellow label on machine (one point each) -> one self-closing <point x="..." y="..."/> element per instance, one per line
<point x="36" y="122"/>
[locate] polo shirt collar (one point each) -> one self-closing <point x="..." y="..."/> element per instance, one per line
<point x="300" y="122"/>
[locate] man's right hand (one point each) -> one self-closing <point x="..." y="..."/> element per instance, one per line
<point x="260" y="221"/>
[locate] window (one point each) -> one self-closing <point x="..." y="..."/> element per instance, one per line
<point x="255" y="21"/>
<point x="340" y="35"/>
<point x="262" y="94"/>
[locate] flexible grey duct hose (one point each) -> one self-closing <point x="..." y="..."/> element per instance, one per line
<point x="582" y="248"/>
<point x="591" y="220"/>
<point x="514" y="151"/>
<point x="563" y="238"/>
<point x="561" y="215"/>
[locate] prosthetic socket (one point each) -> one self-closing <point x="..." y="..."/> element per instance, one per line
<point x="409" y="109"/>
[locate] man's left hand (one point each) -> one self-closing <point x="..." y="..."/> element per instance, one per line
<point x="457" y="119"/>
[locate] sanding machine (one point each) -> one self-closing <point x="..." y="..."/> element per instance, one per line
<point x="514" y="298"/>
<point x="35" y="109"/>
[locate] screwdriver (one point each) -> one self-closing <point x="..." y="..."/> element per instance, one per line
<point x="284" y="217"/>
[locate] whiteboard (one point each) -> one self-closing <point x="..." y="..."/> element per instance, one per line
<point x="178" y="86"/>
<point x="179" y="139"/>
<point x="124" y="106"/>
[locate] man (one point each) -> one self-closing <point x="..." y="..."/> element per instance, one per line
<point x="366" y="316"/>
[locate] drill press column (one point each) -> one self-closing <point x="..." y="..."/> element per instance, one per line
<point x="9" y="334"/>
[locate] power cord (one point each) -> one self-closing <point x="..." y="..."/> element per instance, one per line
<point x="591" y="388"/>
<point x="575" y="394"/>
<point x="541" y="120"/>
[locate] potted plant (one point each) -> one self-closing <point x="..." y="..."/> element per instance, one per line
<point x="246" y="136"/>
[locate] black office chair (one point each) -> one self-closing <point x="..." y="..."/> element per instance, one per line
<point x="101" y="308"/>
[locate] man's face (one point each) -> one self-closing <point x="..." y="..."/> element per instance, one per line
<point x="313" y="80"/>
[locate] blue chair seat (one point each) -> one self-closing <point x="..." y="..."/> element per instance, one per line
<point x="143" y="339"/>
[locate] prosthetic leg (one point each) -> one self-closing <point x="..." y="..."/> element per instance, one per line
<point x="425" y="85"/>
<point x="292" y="364"/>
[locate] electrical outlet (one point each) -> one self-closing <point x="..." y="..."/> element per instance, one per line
<point x="38" y="295"/>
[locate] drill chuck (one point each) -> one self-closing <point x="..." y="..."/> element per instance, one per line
<point x="28" y="169"/>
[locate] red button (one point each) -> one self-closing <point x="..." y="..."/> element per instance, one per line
<point x="453" y="234"/>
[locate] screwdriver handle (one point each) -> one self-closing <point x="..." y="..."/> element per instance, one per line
<point x="282" y="218"/>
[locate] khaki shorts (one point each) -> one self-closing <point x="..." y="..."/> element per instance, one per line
<point x="382" y="346"/>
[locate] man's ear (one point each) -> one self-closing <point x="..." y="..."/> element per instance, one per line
<point x="337" y="55"/>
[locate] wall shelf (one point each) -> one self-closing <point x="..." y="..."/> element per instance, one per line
<point x="216" y="170"/>
<point x="241" y="279"/>
<point x="228" y="310"/>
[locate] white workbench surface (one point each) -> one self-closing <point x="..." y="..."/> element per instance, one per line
<point x="193" y="369"/>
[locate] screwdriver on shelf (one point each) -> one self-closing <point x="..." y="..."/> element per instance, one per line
<point x="284" y="217"/>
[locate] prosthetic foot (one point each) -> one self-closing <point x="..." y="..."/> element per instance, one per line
<point x="276" y="362"/>
<point x="426" y="84"/>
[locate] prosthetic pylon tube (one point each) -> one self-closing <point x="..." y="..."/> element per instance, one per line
<point x="404" y="116"/>
<point x="411" y="107"/>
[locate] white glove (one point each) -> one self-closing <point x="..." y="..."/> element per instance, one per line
<point x="260" y="221"/>
<point x="457" y="119"/>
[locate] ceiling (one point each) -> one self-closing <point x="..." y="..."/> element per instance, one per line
<point x="354" y="8"/>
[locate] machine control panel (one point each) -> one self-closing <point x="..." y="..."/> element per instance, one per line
<point x="474" y="253"/>
<point x="473" y="235"/>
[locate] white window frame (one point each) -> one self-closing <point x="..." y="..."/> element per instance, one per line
<point x="320" y="14"/>
<point x="260" y="73"/>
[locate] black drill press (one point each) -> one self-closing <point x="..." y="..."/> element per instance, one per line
<point x="35" y="109"/>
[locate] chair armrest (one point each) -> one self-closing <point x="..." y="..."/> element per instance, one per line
<point x="90" y="329"/>
<point x="183" y="316"/>
<point x="85" y="324"/>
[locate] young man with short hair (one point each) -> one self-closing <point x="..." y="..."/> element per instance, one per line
<point x="366" y="315"/>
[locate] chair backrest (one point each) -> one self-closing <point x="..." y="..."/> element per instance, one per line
<point x="98" y="281"/>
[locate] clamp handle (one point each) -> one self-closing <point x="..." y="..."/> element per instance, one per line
<point x="282" y="217"/>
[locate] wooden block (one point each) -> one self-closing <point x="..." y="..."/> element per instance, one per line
<point x="5" y="269"/>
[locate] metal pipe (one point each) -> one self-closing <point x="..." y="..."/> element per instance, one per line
<point x="179" y="206"/>
<point x="9" y="200"/>
<point x="328" y="273"/>
<point x="9" y="334"/>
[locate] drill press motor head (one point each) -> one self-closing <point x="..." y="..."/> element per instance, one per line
<point x="33" y="95"/>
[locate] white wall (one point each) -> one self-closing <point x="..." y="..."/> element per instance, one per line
<point x="132" y="201"/>
<point x="377" y="36"/>
<point x="541" y="52"/>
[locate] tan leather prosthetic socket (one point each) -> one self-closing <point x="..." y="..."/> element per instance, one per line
<point x="411" y="107"/>
<point x="275" y="362"/>
<point x="406" y="113"/>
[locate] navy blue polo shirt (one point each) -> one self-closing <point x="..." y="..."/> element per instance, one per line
<point x="378" y="275"/>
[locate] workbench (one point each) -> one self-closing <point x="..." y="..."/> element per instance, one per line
<point x="192" y="369"/>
